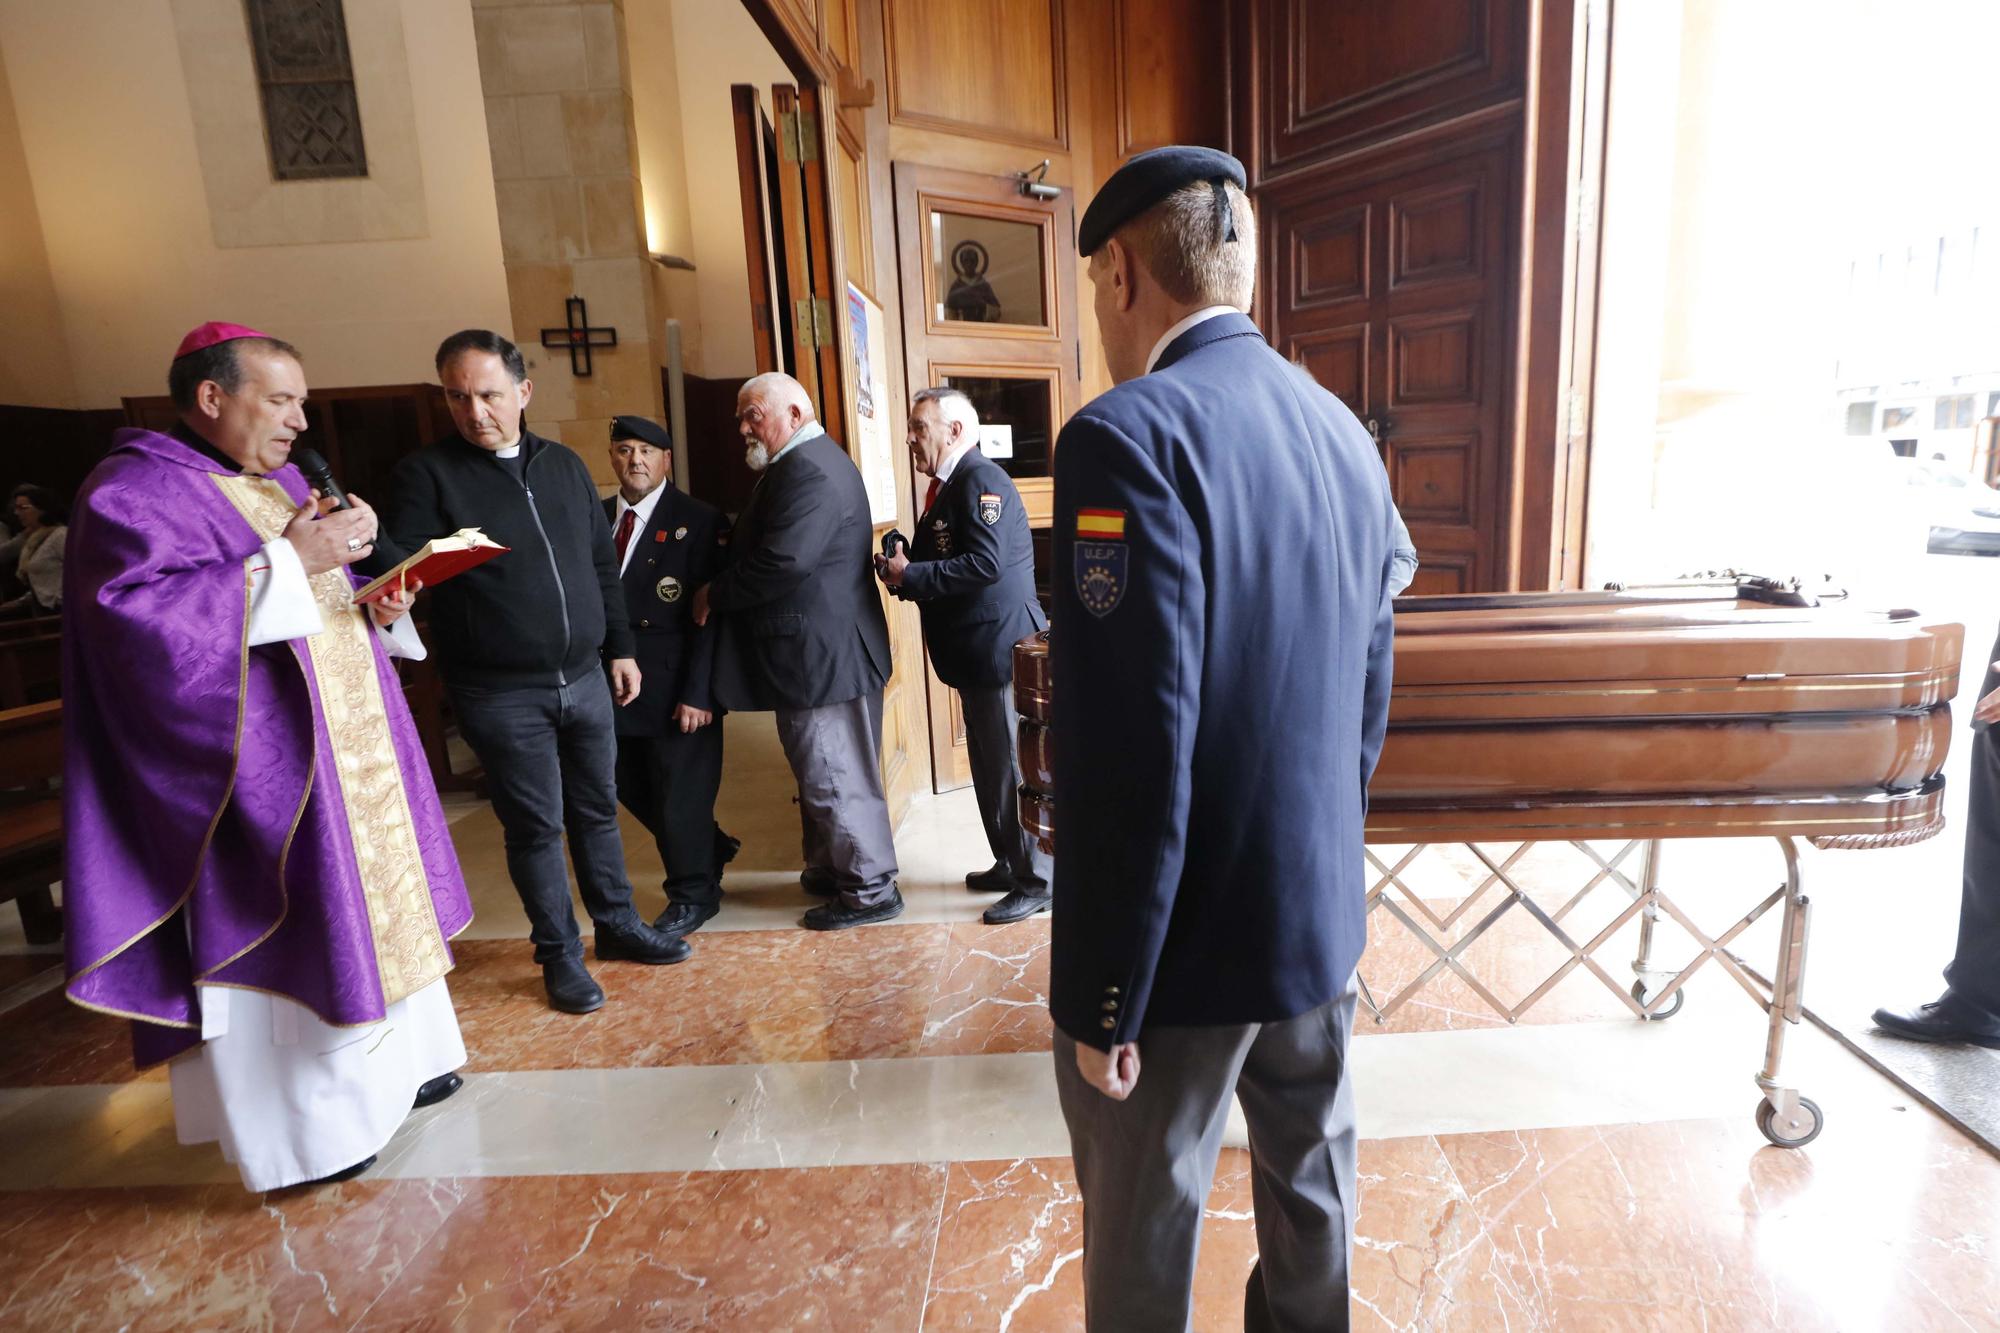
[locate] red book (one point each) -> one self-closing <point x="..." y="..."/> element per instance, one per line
<point x="439" y="559"/>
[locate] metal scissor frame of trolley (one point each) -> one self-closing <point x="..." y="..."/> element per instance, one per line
<point x="1786" y="1118"/>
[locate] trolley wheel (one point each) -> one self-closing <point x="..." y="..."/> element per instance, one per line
<point x="1809" y="1112"/>
<point x="1680" y="998"/>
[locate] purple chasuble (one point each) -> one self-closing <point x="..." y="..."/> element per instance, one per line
<point x="207" y="838"/>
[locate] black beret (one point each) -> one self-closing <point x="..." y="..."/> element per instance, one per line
<point x="1144" y="180"/>
<point x="642" y="429"/>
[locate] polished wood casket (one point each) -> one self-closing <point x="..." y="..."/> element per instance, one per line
<point x="1701" y="709"/>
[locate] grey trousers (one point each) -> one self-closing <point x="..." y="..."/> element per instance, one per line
<point x="1145" y="1165"/>
<point x="992" y="743"/>
<point x="836" y="755"/>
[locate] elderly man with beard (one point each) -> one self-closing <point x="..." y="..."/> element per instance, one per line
<point x="803" y="635"/>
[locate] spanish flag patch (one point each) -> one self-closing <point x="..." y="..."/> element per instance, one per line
<point x="1100" y="525"/>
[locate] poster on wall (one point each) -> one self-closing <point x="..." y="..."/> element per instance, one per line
<point x="871" y="406"/>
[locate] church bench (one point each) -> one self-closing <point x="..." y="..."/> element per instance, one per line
<point x="30" y="669"/>
<point x="31" y="846"/>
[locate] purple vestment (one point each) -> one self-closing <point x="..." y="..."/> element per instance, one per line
<point x="206" y="836"/>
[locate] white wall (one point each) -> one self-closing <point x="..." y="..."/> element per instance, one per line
<point x="110" y="143"/>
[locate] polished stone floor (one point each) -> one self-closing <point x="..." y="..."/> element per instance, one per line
<point x="860" y="1131"/>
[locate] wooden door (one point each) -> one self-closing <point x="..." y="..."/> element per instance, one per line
<point x="1392" y="285"/>
<point x="752" y="131"/>
<point x="1388" y="160"/>
<point x="989" y="307"/>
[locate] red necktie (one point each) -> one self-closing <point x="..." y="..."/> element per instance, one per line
<point x="930" y="496"/>
<point x="625" y="532"/>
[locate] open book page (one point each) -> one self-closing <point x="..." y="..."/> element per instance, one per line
<point x="437" y="560"/>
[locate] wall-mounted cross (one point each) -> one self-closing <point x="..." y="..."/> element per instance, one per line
<point x="577" y="335"/>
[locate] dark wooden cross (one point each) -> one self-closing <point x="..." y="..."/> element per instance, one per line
<point x="577" y="335"/>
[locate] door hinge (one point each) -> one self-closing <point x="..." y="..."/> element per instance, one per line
<point x="798" y="137"/>
<point x="813" y="318"/>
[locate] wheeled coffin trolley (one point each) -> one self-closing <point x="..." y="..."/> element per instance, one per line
<point x="1725" y="708"/>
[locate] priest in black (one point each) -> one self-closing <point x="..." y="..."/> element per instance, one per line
<point x="971" y="572"/>
<point x="670" y="738"/>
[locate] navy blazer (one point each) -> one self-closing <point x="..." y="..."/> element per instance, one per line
<point x="802" y="623"/>
<point x="1221" y="659"/>
<point x="684" y="546"/>
<point x="972" y="575"/>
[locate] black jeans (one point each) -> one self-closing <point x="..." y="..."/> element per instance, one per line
<point x="550" y="755"/>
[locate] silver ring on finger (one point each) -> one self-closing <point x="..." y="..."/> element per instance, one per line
<point x="355" y="543"/>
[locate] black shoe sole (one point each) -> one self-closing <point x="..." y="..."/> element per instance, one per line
<point x="681" y="932"/>
<point x="1936" y="1036"/>
<point x="1009" y="919"/>
<point x="347" y="1174"/>
<point x="562" y="1008"/>
<point x="866" y="917"/>
<point x="1005" y="886"/>
<point x="436" y="1090"/>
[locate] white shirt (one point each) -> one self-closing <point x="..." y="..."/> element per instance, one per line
<point x="950" y="464"/>
<point x="644" y="518"/>
<point x="811" y="430"/>
<point x="1182" y="326"/>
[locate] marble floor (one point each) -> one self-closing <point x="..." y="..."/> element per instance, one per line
<point x="860" y="1131"/>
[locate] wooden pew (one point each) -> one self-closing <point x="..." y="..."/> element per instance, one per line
<point x="30" y="669"/>
<point x="31" y="844"/>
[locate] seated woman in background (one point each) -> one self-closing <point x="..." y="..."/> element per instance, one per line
<point x="41" y="518"/>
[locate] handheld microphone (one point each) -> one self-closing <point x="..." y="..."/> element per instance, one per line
<point x="313" y="467"/>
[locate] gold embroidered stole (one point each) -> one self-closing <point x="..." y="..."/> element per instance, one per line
<point x="409" y="947"/>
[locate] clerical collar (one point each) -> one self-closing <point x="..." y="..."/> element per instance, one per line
<point x="193" y="441"/>
<point x="811" y="430"/>
<point x="1181" y="326"/>
<point x="950" y="464"/>
<point x="510" y="453"/>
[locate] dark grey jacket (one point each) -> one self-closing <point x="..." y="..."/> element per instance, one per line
<point x="550" y="609"/>
<point x="802" y="622"/>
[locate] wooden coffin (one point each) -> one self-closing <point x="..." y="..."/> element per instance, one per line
<point x="1692" y="710"/>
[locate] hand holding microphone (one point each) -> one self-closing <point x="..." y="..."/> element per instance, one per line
<point x="331" y="528"/>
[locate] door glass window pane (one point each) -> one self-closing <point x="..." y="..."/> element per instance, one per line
<point x="986" y="270"/>
<point x="1015" y="420"/>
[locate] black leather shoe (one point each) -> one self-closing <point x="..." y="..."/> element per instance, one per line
<point x="1016" y="906"/>
<point x="436" y="1090"/>
<point x="638" y="942"/>
<point x="837" y="915"/>
<point x="994" y="879"/>
<point x="570" y="987"/>
<point x="726" y="847"/>
<point x="819" y="883"/>
<point x="685" y="918"/>
<point x="1945" y="1019"/>
<point x="347" y="1173"/>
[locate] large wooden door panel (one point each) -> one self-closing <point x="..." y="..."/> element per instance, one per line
<point x="1389" y="288"/>
<point x="1337" y="75"/>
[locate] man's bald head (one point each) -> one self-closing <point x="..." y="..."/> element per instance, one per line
<point x="770" y="409"/>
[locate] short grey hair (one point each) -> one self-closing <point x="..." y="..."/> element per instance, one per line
<point x="952" y="405"/>
<point x="1177" y="241"/>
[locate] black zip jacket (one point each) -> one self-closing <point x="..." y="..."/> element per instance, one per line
<point x="547" y="612"/>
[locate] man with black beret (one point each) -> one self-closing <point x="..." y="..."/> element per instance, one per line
<point x="1224" y="554"/>
<point x="670" y="738"/>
